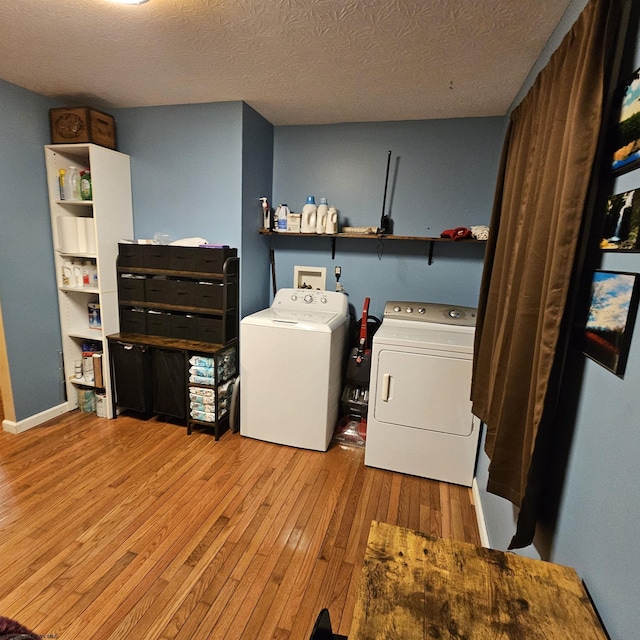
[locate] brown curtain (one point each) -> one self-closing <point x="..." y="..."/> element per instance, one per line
<point x="546" y="167"/>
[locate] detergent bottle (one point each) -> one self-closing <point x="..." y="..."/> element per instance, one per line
<point x="332" y="220"/>
<point x="321" y="216"/>
<point x="283" y="216"/>
<point x="309" y="215"/>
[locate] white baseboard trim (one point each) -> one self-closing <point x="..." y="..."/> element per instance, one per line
<point x="482" y="525"/>
<point x="36" y="420"/>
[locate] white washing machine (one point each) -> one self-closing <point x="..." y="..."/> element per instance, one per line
<point x="291" y="360"/>
<point x="419" y="418"/>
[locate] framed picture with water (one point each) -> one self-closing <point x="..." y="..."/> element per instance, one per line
<point x="627" y="129"/>
<point x="612" y="314"/>
<point x="622" y="222"/>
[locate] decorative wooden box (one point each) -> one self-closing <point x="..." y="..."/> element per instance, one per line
<point x="82" y="124"/>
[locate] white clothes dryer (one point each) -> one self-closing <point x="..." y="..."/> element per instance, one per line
<point x="291" y="362"/>
<point x="419" y="419"/>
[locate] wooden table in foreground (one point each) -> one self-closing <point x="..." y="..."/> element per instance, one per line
<point x="417" y="586"/>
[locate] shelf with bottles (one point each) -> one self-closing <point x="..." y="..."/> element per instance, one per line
<point x="73" y="223"/>
<point x="69" y="175"/>
<point x="78" y="273"/>
<point x="90" y="381"/>
<point x="81" y="315"/>
<point x="85" y="232"/>
<point x="369" y="235"/>
<point x="380" y="237"/>
<point x="75" y="203"/>
<point x="86" y="380"/>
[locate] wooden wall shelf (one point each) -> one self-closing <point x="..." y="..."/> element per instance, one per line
<point x="370" y="236"/>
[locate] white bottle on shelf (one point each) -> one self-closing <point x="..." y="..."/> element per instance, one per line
<point x="93" y="270"/>
<point x="321" y="216"/>
<point x="72" y="184"/>
<point x="332" y="220"/>
<point x="283" y="215"/>
<point x="67" y="273"/>
<point x="77" y="274"/>
<point x="309" y="214"/>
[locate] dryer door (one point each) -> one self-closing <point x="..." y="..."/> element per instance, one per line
<point x="423" y="389"/>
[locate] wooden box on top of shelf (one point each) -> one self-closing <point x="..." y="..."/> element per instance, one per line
<point x="82" y="124"/>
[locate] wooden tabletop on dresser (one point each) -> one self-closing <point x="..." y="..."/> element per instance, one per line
<point x="417" y="586"/>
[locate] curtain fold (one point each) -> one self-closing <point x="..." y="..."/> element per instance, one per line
<point x="545" y="171"/>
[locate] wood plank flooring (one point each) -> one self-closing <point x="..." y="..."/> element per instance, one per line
<point x="113" y="529"/>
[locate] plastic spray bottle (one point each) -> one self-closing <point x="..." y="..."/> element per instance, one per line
<point x="266" y="214"/>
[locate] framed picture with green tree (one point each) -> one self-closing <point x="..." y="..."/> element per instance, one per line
<point x="627" y="130"/>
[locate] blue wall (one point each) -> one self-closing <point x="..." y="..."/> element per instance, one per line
<point x="257" y="177"/>
<point x="186" y="169"/>
<point x="198" y="171"/>
<point x="27" y="278"/>
<point x="442" y="175"/>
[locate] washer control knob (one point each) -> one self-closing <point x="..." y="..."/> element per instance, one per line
<point x="308" y="298"/>
<point x="454" y="313"/>
<point x="397" y="309"/>
<point x="294" y="297"/>
<point x="409" y="309"/>
<point x="323" y="300"/>
<point x="422" y="311"/>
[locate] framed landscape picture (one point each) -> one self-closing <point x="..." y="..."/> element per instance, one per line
<point x="622" y="222"/>
<point x="612" y="312"/>
<point x="627" y="131"/>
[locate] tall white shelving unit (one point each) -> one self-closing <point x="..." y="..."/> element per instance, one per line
<point x="88" y="231"/>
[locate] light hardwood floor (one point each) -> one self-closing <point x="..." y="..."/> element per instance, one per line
<point x="113" y="529"/>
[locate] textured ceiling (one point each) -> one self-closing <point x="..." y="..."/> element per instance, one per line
<point x="294" y="61"/>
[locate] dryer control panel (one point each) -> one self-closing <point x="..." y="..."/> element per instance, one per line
<point x="430" y="312"/>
